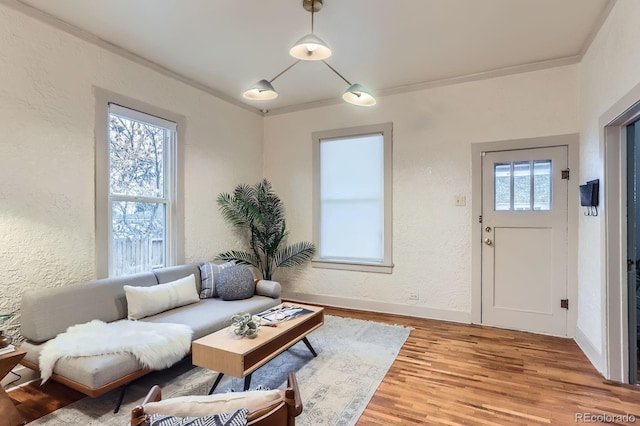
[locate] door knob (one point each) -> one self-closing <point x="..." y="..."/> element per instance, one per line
<point x="488" y="242"/>
<point x="488" y="229"/>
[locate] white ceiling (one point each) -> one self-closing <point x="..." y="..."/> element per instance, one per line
<point x="386" y="45"/>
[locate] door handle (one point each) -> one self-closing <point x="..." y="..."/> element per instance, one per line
<point x="488" y="241"/>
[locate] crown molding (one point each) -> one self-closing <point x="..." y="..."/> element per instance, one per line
<point x="485" y="75"/>
<point x="97" y="41"/>
<point x="596" y="28"/>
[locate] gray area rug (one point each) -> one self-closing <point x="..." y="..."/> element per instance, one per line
<point x="353" y="358"/>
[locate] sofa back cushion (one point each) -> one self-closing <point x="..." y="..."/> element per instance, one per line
<point x="172" y="273"/>
<point x="45" y="313"/>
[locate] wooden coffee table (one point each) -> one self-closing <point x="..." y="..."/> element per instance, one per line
<point x="227" y="353"/>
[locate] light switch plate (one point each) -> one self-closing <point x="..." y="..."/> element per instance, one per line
<point x="461" y="200"/>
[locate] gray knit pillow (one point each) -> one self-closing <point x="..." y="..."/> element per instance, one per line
<point x="235" y="283"/>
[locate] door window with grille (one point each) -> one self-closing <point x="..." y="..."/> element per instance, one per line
<point x="522" y="185"/>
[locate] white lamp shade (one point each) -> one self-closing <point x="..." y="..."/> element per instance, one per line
<point x="261" y="91"/>
<point x="358" y="95"/>
<point x="310" y="48"/>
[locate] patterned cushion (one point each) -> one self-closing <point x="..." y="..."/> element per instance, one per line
<point x="235" y="283"/>
<point x="235" y="418"/>
<point x="209" y="271"/>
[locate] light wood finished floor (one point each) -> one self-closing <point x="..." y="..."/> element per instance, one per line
<point x="457" y="374"/>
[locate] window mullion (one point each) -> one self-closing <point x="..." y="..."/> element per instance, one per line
<point x="511" y="186"/>
<point x="531" y="185"/>
<point x="136" y="199"/>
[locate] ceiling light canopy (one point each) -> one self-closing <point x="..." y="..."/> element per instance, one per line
<point x="310" y="48"/>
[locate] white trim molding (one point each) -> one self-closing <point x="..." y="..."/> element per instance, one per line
<point x="590" y="351"/>
<point x="417" y="311"/>
<point x="176" y="241"/>
<point x="614" y="313"/>
<point x="317" y="138"/>
<point x="68" y="28"/>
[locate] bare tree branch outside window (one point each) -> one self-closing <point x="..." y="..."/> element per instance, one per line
<point x="136" y="170"/>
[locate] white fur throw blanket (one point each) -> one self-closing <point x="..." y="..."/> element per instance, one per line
<point x="154" y="345"/>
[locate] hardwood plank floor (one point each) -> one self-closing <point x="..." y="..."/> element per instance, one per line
<point x="457" y="374"/>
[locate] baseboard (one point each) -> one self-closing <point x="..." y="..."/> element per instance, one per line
<point x="27" y="375"/>
<point x="382" y="307"/>
<point x="591" y="352"/>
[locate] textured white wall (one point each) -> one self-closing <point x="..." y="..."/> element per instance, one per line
<point x="609" y="69"/>
<point x="433" y="133"/>
<point x="47" y="154"/>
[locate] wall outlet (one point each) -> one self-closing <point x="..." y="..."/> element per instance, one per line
<point x="461" y="200"/>
<point x="414" y="296"/>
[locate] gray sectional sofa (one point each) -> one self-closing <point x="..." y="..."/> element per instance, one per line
<point x="47" y="312"/>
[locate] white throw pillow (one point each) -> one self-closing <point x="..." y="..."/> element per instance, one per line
<point x="145" y="301"/>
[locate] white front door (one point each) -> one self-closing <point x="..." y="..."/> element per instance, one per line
<point x="524" y="240"/>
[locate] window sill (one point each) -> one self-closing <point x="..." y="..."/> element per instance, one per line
<point x="351" y="266"/>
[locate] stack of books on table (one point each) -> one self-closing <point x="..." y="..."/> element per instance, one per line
<point x="7" y="349"/>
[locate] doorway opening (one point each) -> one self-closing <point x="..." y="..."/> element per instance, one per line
<point x="524" y="239"/>
<point x="633" y="247"/>
<point x="618" y="126"/>
<point x="480" y="248"/>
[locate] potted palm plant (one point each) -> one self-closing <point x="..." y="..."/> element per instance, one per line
<point x="5" y="339"/>
<point x="259" y="214"/>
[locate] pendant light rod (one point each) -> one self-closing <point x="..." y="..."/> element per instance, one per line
<point x="285" y="70"/>
<point x="339" y="75"/>
<point x="313" y="10"/>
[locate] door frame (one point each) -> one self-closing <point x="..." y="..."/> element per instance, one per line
<point x="571" y="141"/>
<point x="615" y="321"/>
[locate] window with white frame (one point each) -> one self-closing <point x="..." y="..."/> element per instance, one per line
<point x="140" y="181"/>
<point x="136" y="190"/>
<point x="352" y="198"/>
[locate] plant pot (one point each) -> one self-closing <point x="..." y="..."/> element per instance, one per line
<point x="5" y="340"/>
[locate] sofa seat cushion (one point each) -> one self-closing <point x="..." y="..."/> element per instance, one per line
<point x="210" y="315"/>
<point x="93" y="372"/>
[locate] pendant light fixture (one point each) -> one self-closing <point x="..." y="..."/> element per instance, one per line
<point x="310" y="48"/>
